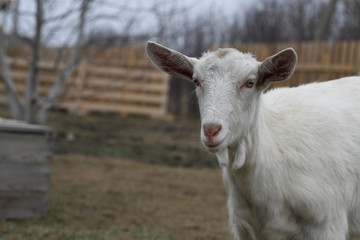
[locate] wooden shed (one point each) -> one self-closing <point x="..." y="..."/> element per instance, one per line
<point x="24" y="169"/>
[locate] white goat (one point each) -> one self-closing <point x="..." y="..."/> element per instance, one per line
<point x="291" y="157"/>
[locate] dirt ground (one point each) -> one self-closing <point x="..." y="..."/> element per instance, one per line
<point x="111" y="198"/>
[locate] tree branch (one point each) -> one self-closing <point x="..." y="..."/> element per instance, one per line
<point x="13" y="99"/>
<point x="31" y="81"/>
<point x="55" y="91"/>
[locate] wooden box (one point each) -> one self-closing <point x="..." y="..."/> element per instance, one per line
<point x="24" y="169"/>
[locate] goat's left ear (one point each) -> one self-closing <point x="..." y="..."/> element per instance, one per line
<point x="170" y="61"/>
<point x="278" y="67"/>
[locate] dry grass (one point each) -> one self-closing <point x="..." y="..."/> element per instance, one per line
<point x="109" y="198"/>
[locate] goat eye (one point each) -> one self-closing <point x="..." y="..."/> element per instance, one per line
<point x="249" y="83"/>
<point x="196" y="82"/>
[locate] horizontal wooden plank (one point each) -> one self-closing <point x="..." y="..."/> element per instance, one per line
<point x="24" y="148"/>
<point x="42" y="78"/>
<point x="3" y="98"/>
<point x="116" y="97"/>
<point x="126" y="73"/>
<point x="137" y="63"/>
<point x="42" y="91"/>
<point x="327" y="68"/>
<point x="22" y="204"/>
<point x="128" y="86"/>
<point x="24" y="177"/>
<point x="19" y="70"/>
<point x="129" y="94"/>
<point x="47" y="81"/>
<point x="44" y="66"/>
<point x="120" y="108"/>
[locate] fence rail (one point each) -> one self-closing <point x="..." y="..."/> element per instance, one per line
<point x="111" y="80"/>
<point x="123" y="80"/>
<point x="318" y="61"/>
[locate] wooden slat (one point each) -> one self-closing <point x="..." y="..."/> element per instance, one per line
<point x="126" y="63"/>
<point x="24" y="169"/>
<point x="125" y="73"/>
<point x="24" y="177"/>
<point x="22" y="204"/>
<point x="111" y="96"/>
<point x="115" y="85"/>
<point x="24" y="148"/>
<point x="326" y="68"/>
<point x="3" y="99"/>
<point x="42" y="90"/>
<point x="126" y="109"/>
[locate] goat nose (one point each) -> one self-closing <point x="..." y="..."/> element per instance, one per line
<point x="211" y="130"/>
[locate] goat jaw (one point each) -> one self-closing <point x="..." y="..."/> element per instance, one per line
<point x="223" y="157"/>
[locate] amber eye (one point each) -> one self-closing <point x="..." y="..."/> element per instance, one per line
<point x="196" y="82"/>
<point x="249" y="83"/>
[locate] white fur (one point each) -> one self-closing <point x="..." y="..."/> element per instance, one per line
<point x="301" y="174"/>
<point x="290" y="157"/>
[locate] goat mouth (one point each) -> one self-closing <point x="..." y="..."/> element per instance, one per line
<point x="212" y="146"/>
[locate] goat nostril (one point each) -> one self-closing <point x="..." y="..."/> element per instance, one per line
<point x="211" y="129"/>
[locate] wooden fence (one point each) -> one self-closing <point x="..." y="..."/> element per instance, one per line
<point x="318" y="61"/>
<point x="108" y="80"/>
<point x="123" y="80"/>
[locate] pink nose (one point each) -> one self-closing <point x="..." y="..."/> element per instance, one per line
<point x="211" y="130"/>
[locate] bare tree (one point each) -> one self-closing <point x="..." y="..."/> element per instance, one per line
<point x="50" y="25"/>
<point x="264" y="22"/>
<point x="15" y="20"/>
<point x="31" y="111"/>
<point x="277" y="21"/>
<point x="348" y="19"/>
<point x="323" y="28"/>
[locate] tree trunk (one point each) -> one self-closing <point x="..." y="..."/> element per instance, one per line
<point x="15" y="32"/>
<point x="16" y="110"/>
<point x="31" y="82"/>
<point x="323" y="29"/>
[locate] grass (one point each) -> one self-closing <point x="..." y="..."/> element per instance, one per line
<point x="139" y="138"/>
<point x="58" y="232"/>
<point x="110" y="198"/>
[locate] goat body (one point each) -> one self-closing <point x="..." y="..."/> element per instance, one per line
<point x="289" y="157"/>
<point x="301" y="174"/>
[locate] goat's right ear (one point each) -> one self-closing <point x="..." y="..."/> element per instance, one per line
<point x="170" y="61"/>
<point x="278" y="67"/>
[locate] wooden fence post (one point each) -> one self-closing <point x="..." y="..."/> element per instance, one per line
<point x="80" y="85"/>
